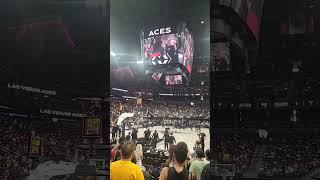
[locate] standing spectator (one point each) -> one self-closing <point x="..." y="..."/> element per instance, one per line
<point x="179" y="170"/>
<point x="208" y="156"/>
<point x="197" y="165"/>
<point x="139" y="155"/>
<point x="169" y="161"/>
<point x="124" y="169"/>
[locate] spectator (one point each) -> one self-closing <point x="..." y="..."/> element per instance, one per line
<point x="208" y="156"/>
<point x="179" y="170"/>
<point x="124" y="169"/>
<point x="197" y="165"/>
<point x="139" y="155"/>
<point x="206" y="172"/>
<point x="170" y="160"/>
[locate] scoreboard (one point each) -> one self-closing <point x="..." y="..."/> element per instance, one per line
<point x="91" y="127"/>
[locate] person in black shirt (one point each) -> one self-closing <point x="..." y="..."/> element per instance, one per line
<point x="202" y="138"/>
<point x="128" y="137"/>
<point x="155" y="138"/>
<point x="119" y="131"/>
<point x="148" y="133"/>
<point x="179" y="170"/>
<point x="134" y="135"/>
<point x="114" y="131"/>
<point x="171" y="140"/>
<point x="166" y="138"/>
<point x="155" y="135"/>
<point x="145" y="134"/>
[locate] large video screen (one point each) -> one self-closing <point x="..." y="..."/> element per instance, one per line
<point x="168" y="46"/>
<point x="249" y="10"/>
<point x="173" y="80"/>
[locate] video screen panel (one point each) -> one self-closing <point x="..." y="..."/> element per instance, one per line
<point x="173" y="80"/>
<point x="221" y="56"/>
<point x="249" y="10"/>
<point x="168" y="46"/>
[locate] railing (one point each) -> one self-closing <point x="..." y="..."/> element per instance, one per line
<point x="4" y="149"/>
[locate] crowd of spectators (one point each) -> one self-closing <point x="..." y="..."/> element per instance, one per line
<point x="14" y="148"/>
<point x="160" y="109"/>
<point x="148" y="89"/>
<point x="151" y="165"/>
<point x="234" y="150"/>
<point x="58" y="140"/>
<point x="281" y="156"/>
<point x="291" y="157"/>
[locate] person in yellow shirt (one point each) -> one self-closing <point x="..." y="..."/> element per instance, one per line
<point x="124" y="169"/>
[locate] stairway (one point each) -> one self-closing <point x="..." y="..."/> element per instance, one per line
<point x="256" y="163"/>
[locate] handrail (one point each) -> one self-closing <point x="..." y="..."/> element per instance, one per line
<point x="10" y="151"/>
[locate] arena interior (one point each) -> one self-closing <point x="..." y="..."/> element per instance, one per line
<point x="265" y="103"/>
<point x="234" y="79"/>
<point x="160" y="92"/>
